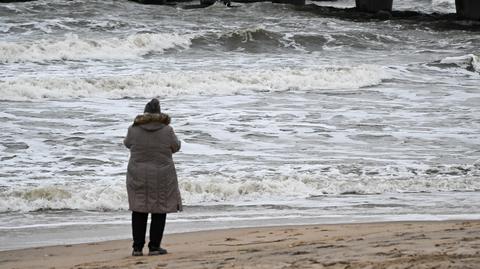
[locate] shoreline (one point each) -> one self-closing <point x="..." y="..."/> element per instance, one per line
<point x="454" y="243"/>
<point x="83" y="233"/>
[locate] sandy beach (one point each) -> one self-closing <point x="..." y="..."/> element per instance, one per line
<point x="446" y="244"/>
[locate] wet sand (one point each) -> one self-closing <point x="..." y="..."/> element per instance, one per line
<point x="446" y="244"/>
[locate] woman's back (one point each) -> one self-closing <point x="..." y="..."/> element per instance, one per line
<point x="151" y="176"/>
<point x="151" y="143"/>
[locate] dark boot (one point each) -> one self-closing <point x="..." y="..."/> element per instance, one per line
<point x="158" y="251"/>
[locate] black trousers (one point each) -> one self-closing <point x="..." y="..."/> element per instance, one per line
<point x="139" y="228"/>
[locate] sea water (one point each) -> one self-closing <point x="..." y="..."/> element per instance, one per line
<point x="287" y="115"/>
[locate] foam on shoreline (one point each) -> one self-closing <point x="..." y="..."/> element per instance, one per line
<point x="220" y="190"/>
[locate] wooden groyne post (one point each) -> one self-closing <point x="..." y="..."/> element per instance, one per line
<point x="469" y="9"/>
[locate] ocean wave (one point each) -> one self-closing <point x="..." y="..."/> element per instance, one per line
<point x="469" y="62"/>
<point x="105" y="197"/>
<point x="73" y="47"/>
<point x="264" y="40"/>
<point x="176" y="83"/>
<point x="231" y="189"/>
<point x="253" y="40"/>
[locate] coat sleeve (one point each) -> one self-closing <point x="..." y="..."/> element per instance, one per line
<point x="176" y="144"/>
<point x="128" y="139"/>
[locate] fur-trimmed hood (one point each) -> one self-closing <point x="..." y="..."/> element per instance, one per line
<point x="150" y="117"/>
<point x="151" y="121"/>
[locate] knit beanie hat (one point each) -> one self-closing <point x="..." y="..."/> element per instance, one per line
<point x="153" y="106"/>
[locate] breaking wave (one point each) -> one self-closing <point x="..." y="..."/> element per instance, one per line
<point x="73" y="47"/>
<point x="176" y="83"/>
<point x="253" y="40"/>
<point x="221" y="189"/>
<point x="469" y="62"/>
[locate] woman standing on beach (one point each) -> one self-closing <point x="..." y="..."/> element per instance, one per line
<point x="151" y="176"/>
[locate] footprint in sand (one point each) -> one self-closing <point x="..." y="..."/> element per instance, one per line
<point x="296" y="253"/>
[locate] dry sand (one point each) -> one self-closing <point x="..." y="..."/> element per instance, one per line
<point x="448" y="244"/>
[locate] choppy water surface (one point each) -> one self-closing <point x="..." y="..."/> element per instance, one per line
<point x="287" y="115"/>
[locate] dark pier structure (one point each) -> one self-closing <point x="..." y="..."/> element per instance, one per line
<point x="466" y="9"/>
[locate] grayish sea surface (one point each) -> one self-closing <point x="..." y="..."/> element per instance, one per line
<point x="287" y="115"/>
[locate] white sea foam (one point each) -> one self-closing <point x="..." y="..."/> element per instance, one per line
<point x="73" y="47"/>
<point x="176" y="83"/>
<point x="469" y="61"/>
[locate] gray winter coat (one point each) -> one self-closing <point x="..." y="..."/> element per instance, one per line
<point x="151" y="176"/>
